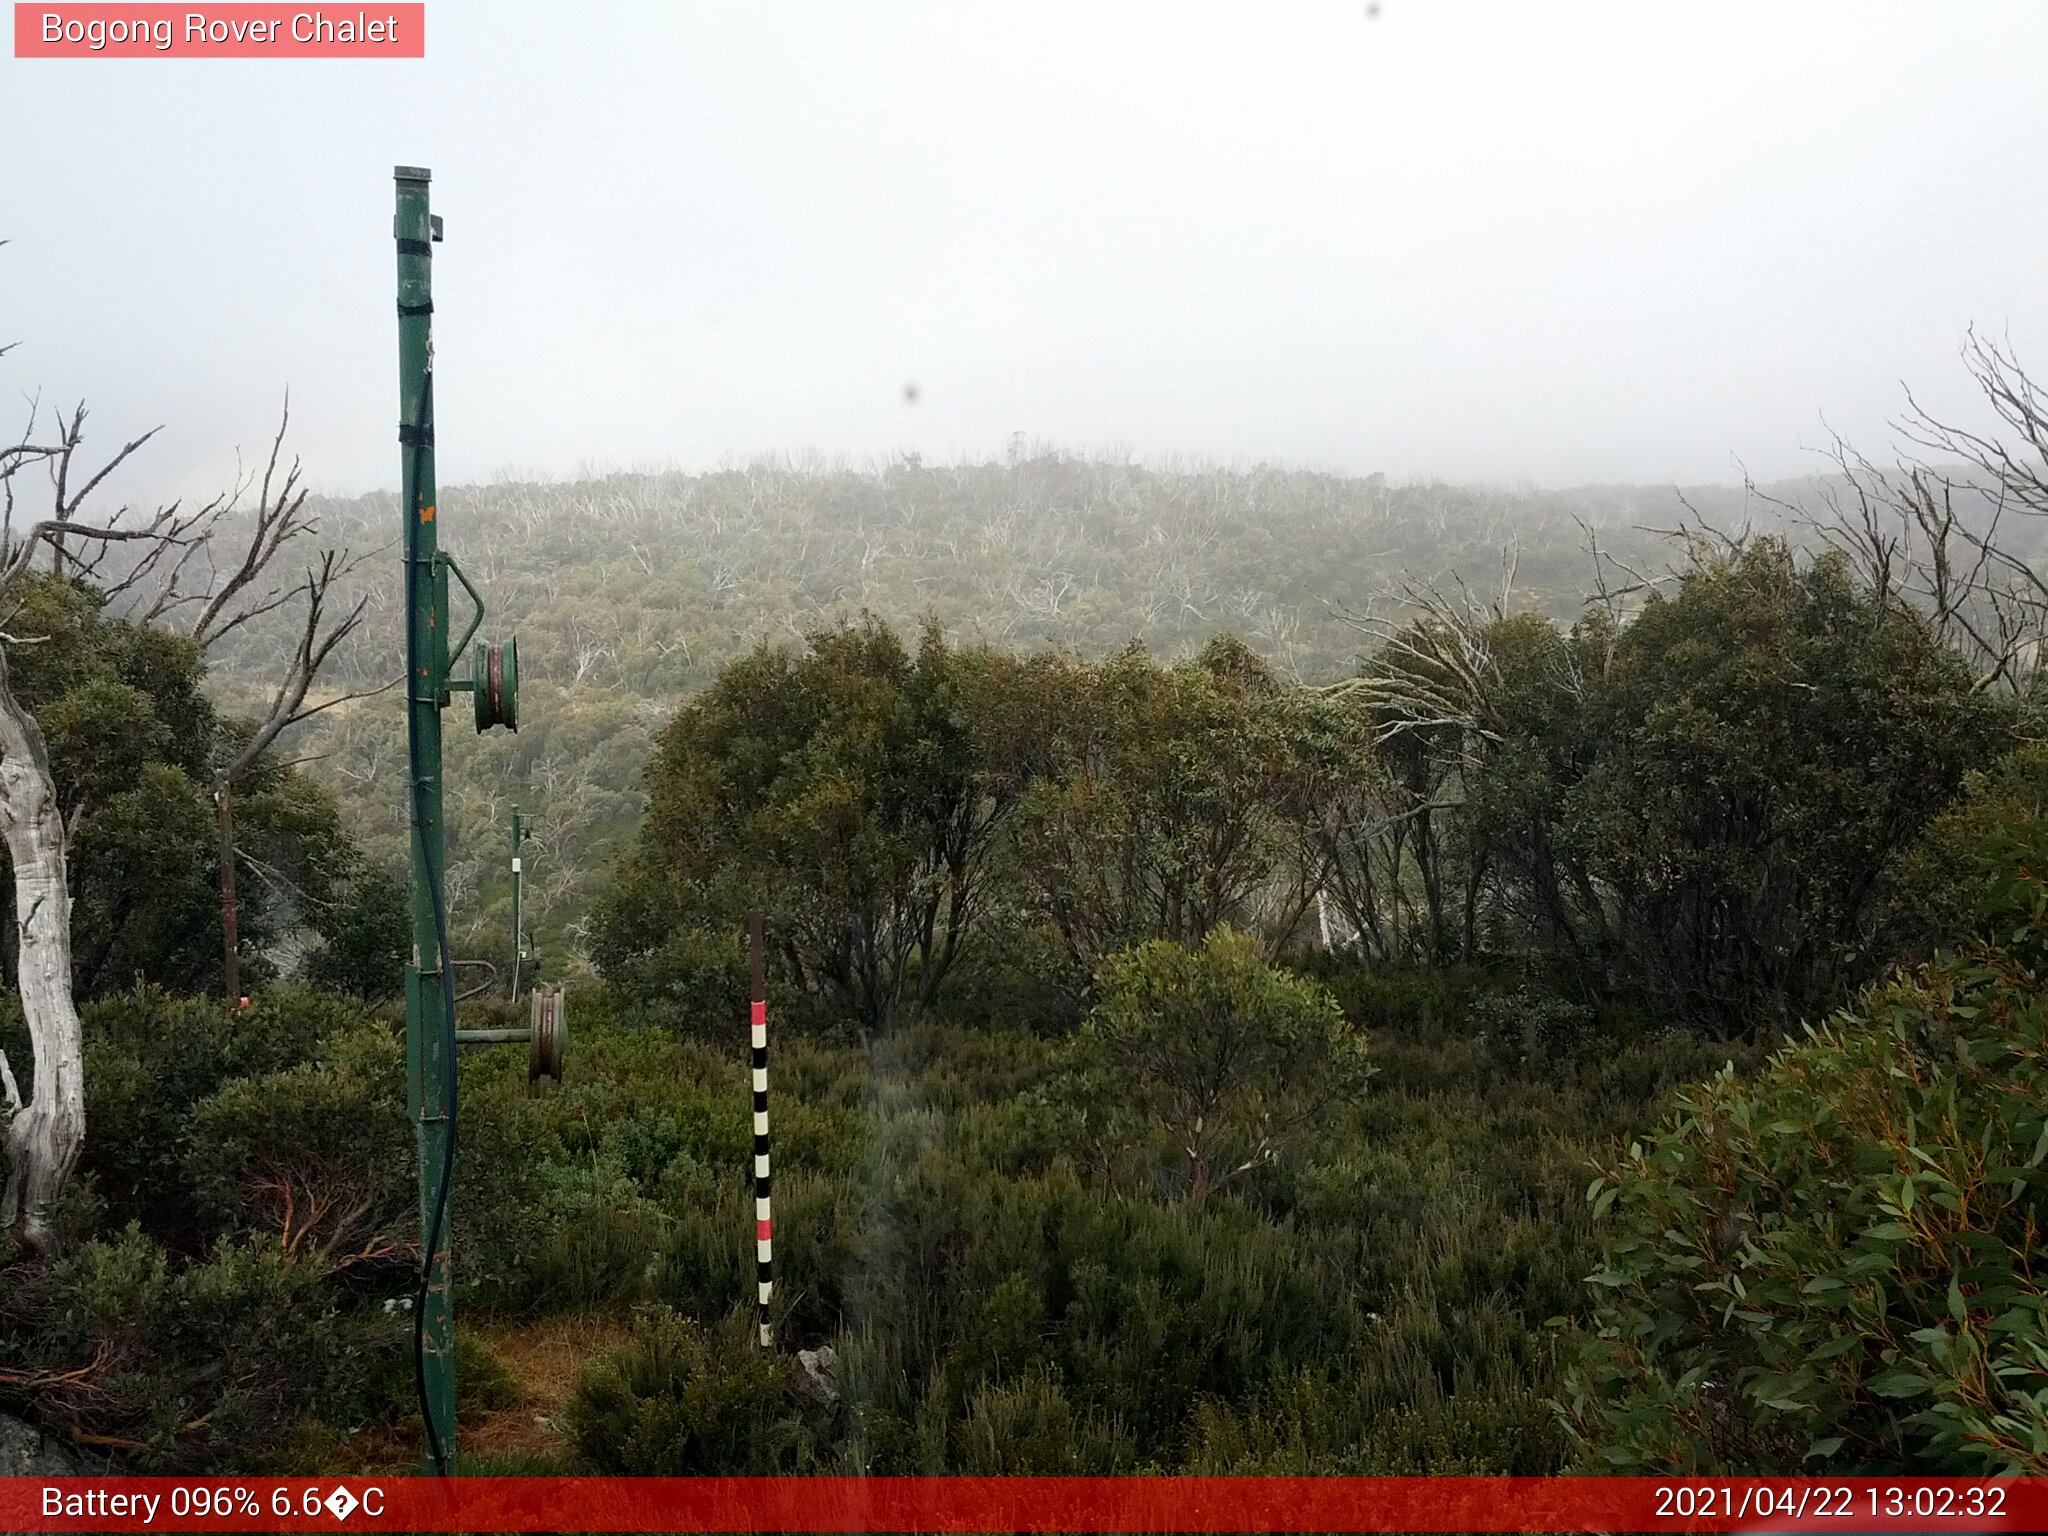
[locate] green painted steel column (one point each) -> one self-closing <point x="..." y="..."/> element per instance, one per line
<point x="430" y="1061"/>
<point x="518" y="899"/>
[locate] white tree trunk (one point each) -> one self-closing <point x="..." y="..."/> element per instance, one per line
<point x="43" y="1135"/>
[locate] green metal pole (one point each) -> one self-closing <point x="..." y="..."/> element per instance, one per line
<point x="430" y="1062"/>
<point x="518" y="899"/>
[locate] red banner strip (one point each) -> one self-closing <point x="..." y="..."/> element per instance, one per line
<point x="373" y="30"/>
<point x="1849" y="1506"/>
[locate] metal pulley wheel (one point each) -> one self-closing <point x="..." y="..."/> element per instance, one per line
<point x="549" y="1034"/>
<point x="494" y="684"/>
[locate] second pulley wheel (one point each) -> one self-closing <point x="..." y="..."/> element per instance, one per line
<point x="550" y="1034"/>
<point x="494" y="684"/>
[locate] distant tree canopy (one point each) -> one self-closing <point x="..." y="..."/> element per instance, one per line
<point x="132" y="740"/>
<point x="1701" y="807"/>
<point x="883" y="804"/>
<point x="1703" y="804"/>
<point x="855" y="792"/>
<point x="1179" y="798"/>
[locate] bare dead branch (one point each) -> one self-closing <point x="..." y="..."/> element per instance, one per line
<point x="160" y="527"/>
<point x="276" y="521"/>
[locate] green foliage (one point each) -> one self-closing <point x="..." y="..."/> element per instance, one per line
<point x="1700" y="808"/>
<point x="1018" y="975"/>
<point x="1780" y="737"/>
<point x="992" y="1307"/>
<point x="287" y="1119"/>
<point x="1231" y="1058"/>
<point x="635" y="591"/>
<point x="854" y="791"/>
<point x="193" y="1365"/>
<point x="151" y="1057"/>
<point x="1528" y="1028"/>
<point x="129" y="734"/>
<point x="1027" y="1426"/>
<point x="1834" y="1262"/>
<point x="366" y="928"/>
<point x="897" y="814"/>
<point x="689" y="979"/>
<point x="149" y="888"/>
<point x="1179" y="798"/>
<point x="1956" y="885"/>
<point x="133" y="743"/>
<point x="600" y="1246"/>
<point x="686" y="1400"/>
<point x="1429" y="1004"/>
<point x="313" y="1154"/>
<point x="1699" y="811"/>
<point x="486" y="1382"/>
<point x="1569" y="853"/>
<point x="1309" y="1424"/>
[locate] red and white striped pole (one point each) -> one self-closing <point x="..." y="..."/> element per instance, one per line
<point x="764" y="1242"/>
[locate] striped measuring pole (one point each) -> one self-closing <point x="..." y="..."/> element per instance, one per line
<point x="764" y="1241"/>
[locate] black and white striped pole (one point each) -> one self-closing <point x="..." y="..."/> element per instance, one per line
<point x="764" y="1240"/>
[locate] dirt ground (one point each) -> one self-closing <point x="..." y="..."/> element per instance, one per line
<point x="544" y="1358"/>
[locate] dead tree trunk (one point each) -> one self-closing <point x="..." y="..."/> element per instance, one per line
<point x="45" y="1133"/>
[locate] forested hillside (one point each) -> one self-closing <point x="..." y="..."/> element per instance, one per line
<point x="632" y="591"/>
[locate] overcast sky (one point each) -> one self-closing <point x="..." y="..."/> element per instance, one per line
<point x="1564" y="242"/>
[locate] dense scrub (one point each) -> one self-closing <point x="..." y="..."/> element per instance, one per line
<point x="1391" y="1298"/>
<point x="1835" y="1263"/>
<point x="1391" y="1294"/>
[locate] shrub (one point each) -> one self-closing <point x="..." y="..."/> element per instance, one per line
<point x="1229" y="1056"/>
<point x="1027" y="1427"/>
<point x="194" y="1367"/>
<point x="485" y="1382"/>
<point x="1953" y="886"/>
<point x="992" y="1308"/>
<point x="1834" y="1262"/>
<point x="1525" y="1028"/>
<point x="1427" y="1005"/>
<point x="363" y="932"/>
<point x="690" y="980"/>
<point x="317" y="1155"/>
<point x="1309" y="1424"/>
<point x="151" y="1056"/>
<point x="322" y="1156"/>
<point x="685" y="1400"/>
<point x="1759" y="747"/>
<point x="601" y="1242"/>
<point x="1017" y="977"/>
